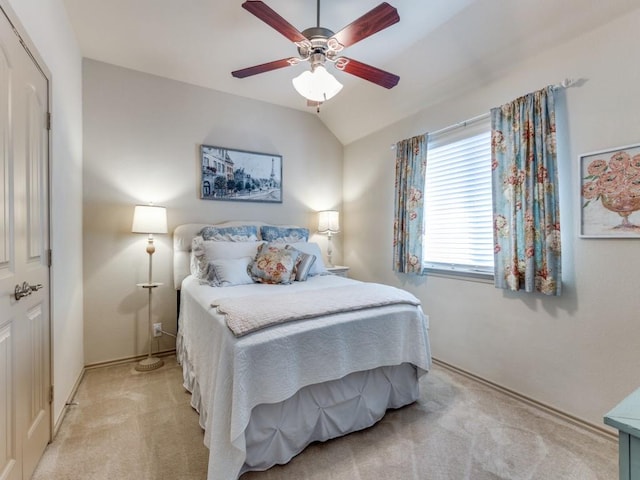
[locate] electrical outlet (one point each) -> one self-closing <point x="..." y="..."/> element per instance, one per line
<point x="157" y="329"/>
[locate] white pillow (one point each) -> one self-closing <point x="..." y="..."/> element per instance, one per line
<point x="203" y="252"/>
<point x="312" y="248"/>
<point x="227" y="272"/>
<point x="215" y="250"/>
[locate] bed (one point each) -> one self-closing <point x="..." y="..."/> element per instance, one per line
<point x="265" y="393"/>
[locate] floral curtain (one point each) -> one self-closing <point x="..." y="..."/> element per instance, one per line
<point x="408" y="225"/>
<point x="525" y="195"/>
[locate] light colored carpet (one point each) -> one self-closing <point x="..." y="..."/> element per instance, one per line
<point x="139" y="426"/>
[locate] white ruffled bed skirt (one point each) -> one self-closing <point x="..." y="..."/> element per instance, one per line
<point x="278" y="432"/>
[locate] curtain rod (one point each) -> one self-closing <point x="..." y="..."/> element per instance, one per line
<point x="475" y="119"/>
<point x="566" y="83"/>
<point x="455" y="125"/>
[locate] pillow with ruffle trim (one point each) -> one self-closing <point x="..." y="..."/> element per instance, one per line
<point x="227" y="272"/>
<point x="241" y="233"/>
<point x="273" y="234"/>
<point x="203" y="252"/>
<point x="199" y="261"/>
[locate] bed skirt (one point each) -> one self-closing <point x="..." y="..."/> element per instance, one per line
<point x="278" y="432"/>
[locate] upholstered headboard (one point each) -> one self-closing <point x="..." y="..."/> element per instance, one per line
<point x="182" y="237"/>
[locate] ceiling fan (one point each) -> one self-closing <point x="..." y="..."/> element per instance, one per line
<point x="317" y="45"/>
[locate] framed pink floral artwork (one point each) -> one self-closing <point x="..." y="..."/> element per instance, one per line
<point x="610" y="193"/>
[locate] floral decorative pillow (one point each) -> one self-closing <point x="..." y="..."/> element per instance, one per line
<point x="241" y="233"/>
<point x="274" y="264"/>
<point x="284" y="234"/>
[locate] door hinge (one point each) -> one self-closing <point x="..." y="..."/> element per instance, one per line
<point x="49" y="258"/>
<point x="48" y="120"/>
<point x="51" y="394"/>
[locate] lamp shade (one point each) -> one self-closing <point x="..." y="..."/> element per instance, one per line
<point x="317" y="85"/>
<point x="149" y="219"/>
<point x="328" y="221"/>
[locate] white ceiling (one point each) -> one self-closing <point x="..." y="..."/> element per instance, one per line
<point x="439" y="47"/>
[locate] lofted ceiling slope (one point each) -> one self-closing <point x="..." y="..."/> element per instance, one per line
<point x="439" y="47"/>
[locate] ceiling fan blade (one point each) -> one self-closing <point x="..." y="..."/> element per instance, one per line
<point x="367" y="72"/>
<point x="274" y="20"/>
<point x="265" y="67"/>
<point x="381" y="17"/>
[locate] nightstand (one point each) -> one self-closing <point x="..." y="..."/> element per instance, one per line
<point x="339" y="270"/>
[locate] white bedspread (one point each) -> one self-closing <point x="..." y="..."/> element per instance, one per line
<point x="248" y="314"/>
<point x="229" y="375"/>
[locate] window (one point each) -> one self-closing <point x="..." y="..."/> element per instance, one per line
<point x="458" y="213"/>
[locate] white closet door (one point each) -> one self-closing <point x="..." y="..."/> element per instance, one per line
<point x="25" y="408"/>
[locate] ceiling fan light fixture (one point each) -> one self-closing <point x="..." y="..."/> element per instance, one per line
<point x="317" y="85"/>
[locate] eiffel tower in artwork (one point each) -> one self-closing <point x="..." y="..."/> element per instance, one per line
<point x="272" y="177"/>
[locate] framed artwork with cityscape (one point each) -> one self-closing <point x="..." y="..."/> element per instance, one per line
<point x="238" y="175"/>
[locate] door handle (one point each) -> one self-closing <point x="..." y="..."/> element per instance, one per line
<point x="22" y="291"/>
<point x="25" y="290"/>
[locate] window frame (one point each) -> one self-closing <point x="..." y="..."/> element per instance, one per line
<point x="456" y="133"/>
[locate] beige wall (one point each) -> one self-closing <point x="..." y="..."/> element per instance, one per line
<point x="141" y="139"/>
<point x="579" y="352"/>
<point x="47" y="26"/>
<point x="141" y="143"/>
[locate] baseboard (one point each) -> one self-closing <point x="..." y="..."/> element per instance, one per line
<point x="572" y="419"/>
<point x="67" y="404"/>
<point x="567" y="417"/>
<point x="120" y="361"/>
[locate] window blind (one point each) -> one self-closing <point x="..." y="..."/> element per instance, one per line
<point x="458" y="211"/>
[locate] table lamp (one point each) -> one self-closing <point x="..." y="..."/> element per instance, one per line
<point x="329" y="224"/>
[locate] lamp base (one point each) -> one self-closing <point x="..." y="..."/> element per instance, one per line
<point x="149" y="363"/>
